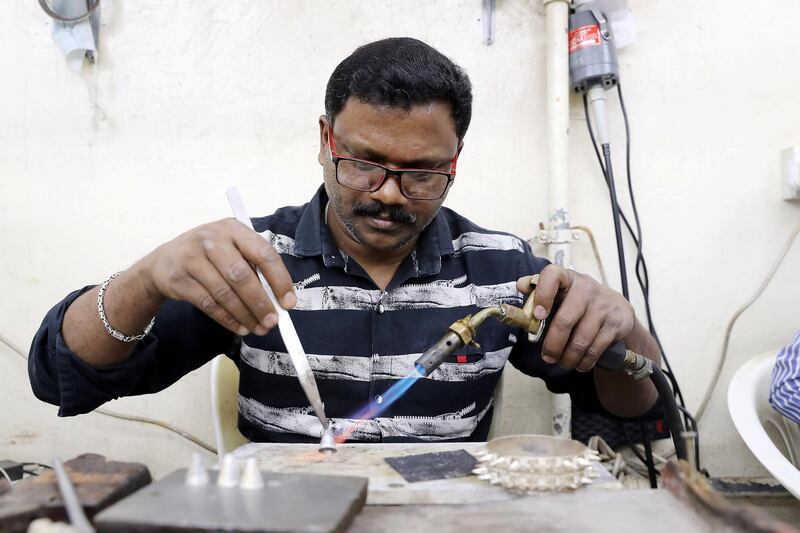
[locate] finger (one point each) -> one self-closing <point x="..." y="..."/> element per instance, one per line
<point x="604" y="338"/>
<point x="569" y="313"/>
<point x="194" y="293"/>
<point x="241" y="292"/>
<point x="552" y="279"/>
<point x="581" y="340"/>
<point x="262" y="254"/>
<point x="226" y="297"/>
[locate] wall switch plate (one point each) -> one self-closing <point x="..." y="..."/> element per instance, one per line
<point x="790" y="173"/>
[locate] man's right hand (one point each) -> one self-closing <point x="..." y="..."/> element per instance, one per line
<point x="211" y="267"/>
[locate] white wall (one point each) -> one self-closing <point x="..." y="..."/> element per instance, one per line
<point x="200" y="95"/>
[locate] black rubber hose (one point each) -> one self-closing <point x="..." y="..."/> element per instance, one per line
<point x="671" y="411"/>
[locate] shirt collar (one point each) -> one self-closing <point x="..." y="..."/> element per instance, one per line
<point x="313" y="238"/>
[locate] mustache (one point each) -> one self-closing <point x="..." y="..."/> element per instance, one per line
<point x="395" y="213"/>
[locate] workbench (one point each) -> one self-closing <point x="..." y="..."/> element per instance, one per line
<point x="469" y="504"/>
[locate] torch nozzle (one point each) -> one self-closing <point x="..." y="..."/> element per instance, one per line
<point x="436" y="354"/>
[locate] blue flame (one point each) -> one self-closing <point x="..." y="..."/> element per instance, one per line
<point x="374" y="409"/>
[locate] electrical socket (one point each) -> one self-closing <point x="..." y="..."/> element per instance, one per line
<point x="790" y="173"/>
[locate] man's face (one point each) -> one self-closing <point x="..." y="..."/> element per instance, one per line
<point x="421" y="137"/>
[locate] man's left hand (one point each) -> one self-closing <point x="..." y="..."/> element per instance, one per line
<point x="589" y="317"/>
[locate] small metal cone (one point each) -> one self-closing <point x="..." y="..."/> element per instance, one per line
<point x="229" y="473"/>
<point x="252" y="479"/>
<point x="327" y="443"/>
<point x="197" y="475"/>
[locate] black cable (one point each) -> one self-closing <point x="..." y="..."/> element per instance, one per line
<point x="38" y="464"/>
<point x="642" y="275"/>
<point x="652" y="473"/>
<point x="671" y="411"/>
<point x="648" y="453"/>
<point x="640" y="262"/>
<point x="641" y="265"/>
<point x="645" y="284"/>
<point x="612" y="191"/>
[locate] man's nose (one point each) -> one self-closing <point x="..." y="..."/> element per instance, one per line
<point x="390" y="193"/>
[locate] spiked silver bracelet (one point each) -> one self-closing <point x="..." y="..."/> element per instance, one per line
<point x="111" y="331"/>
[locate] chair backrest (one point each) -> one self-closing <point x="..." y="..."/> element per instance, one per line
<point x="773" y="439"/>
<point x="225" y="405"/>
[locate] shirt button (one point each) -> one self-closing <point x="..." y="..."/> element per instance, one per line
<point x="380" y="309"/>
<point x="379" y="399"/>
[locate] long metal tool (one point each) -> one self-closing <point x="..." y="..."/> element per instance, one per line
<point x="71" y="502"/>
<point x="285" y="326"/>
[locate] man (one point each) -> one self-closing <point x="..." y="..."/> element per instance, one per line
<point x="380" y="271"/>
<point x="784" y="394"/>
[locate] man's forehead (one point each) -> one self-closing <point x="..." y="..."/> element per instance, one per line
<point x="427" y="128"/>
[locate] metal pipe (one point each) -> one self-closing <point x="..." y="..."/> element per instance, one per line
<point x="557" y="103"/>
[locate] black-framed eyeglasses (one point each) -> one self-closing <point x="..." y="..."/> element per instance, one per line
<point x="368" y="176"/>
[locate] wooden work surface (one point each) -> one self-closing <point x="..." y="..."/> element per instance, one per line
<point x="386" y="486"/>
<point x="468" y="504"/>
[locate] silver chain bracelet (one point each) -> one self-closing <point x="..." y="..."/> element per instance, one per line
<point x="111" y="331"/>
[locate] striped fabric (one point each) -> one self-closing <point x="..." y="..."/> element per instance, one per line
<point x="360" y="340"/>
<point x="784" y="395"/>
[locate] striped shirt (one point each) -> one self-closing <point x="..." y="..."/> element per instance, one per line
<point x="784" y="394"/>
<point x="360" y="340"/>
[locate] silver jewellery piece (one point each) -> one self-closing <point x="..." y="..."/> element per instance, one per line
<point x="529" y="464"/>
<point x="111" y="331"/>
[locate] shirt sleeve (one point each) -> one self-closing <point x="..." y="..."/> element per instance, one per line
<point x="527" y="358"/>
<point x="784" y="394"/>
<point x="182" y="339"/>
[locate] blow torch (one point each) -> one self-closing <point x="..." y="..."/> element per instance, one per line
<point x="462" y="333"/>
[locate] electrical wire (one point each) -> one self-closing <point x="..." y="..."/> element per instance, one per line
<point x="641" y="265"/>
<point x="724" y="352"/>
<point x="90" y="9"/>
<point x="131" y="418"/>
<point x="40" y="465"/>
<point x="634" y="449"/>
<point x="588" y="231"/>
<point x="648" y="454"/>
<point x="615" y="214"/>
<point x="644" y="279"/>
<point x="642" y="275"/>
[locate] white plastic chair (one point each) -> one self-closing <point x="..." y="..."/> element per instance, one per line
<point x="773" y="439"/>
<point x="225" y="405"/>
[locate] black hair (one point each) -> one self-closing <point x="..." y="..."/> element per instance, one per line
<point x="401" y="72"/>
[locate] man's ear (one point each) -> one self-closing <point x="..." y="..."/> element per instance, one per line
<point x="460" y="147"/>
<point x="324" y="131"/>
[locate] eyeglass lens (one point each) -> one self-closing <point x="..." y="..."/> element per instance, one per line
<point x="366" y="177"/>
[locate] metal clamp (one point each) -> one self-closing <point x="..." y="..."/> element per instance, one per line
<point x="603" y="22"/>
<point x="557" y="236"/>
